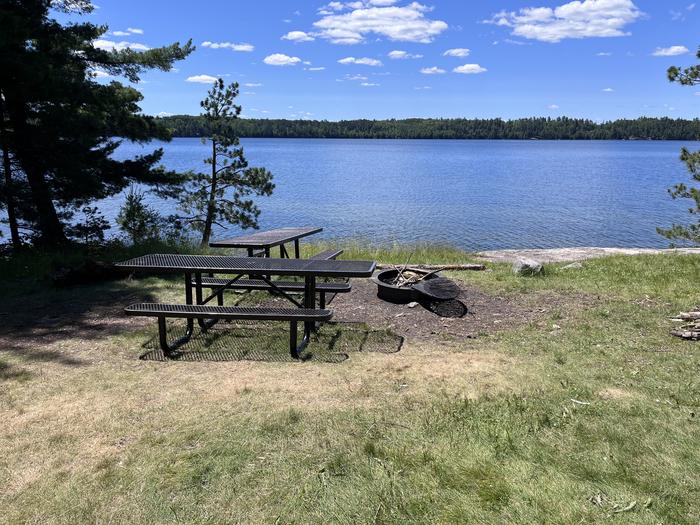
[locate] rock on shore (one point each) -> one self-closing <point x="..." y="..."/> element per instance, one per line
<point x="554" y="255"/>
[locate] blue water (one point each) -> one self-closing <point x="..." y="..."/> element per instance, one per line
<point x="472" y="194"/>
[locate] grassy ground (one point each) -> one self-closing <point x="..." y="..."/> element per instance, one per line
<point x="590" y="415"/>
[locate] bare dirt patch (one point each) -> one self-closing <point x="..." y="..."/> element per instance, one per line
<point x="485" y="313"/>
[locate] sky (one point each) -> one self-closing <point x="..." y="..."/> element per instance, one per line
<point x="376" y="59"/>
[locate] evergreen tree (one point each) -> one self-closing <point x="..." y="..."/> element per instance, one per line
<point x="137" y="219"/>
<point x="60" y="122"/>
<point x="689" y="76"/>
<point x="223" y="193"/>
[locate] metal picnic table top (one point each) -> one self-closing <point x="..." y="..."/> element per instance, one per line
<point x="250" y="265"/>
<point x="266" y="239"/>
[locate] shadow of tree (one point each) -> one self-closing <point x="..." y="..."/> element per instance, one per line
<point x="35" y="320"/>
<point x="265" y="341"/>
<point x="8" y="371"/>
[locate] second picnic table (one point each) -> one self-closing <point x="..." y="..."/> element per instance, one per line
<point x="264" y="241"/>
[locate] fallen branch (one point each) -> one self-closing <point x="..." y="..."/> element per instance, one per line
<point x="692" y="333"/>
<point x="689" y="330"/>
<point x="438" y="267"/>
<point x="687" y="316"/>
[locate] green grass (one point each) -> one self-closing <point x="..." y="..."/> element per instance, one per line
<point x="601" y="411"/>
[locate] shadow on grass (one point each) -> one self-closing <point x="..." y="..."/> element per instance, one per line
<point x="270" y="342"/>
<point x="8" y="371"/>
<point x="33" y="321"/>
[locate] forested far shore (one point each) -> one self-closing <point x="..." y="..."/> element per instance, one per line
<point x="543" y="128"/>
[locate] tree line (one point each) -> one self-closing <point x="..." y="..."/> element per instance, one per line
<point x="544" y="128"/>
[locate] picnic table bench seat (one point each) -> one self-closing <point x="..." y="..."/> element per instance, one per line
<point x="327" y="254"/>
<point x="287" y="286"/>
<point x="196" y="311"/>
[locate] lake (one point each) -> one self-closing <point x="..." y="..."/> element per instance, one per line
<point x="473" y="194"/>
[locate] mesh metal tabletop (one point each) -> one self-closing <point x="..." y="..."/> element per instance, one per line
<point x="265" y="239"/>
<point x="250" y="265"/>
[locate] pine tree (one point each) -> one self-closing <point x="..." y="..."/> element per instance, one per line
<point x="690" y="233"/>
<point x="60" y="122"/>
<point x="222" y="194"/>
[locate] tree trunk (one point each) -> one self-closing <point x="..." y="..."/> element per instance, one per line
<point x="50" y="226"/>
<point x="209" y="219"/>
<point x="7" y="167"/>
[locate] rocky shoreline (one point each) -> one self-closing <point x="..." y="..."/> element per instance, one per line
<point x="555" y="255"/>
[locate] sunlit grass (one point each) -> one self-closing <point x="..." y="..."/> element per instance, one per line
<point x="598" y="422"/>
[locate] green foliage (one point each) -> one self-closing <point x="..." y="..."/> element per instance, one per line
<point x="562" y="128"/>
<point x="224" y="193"/>
<point x="688" y="76"/>
<point x="61" y="123"/>
<point x="137" y="219"/>
<point x="688" y="234"/>
<point x="91" y="230"/>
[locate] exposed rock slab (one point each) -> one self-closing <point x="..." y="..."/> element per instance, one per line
<point x="554" y="255"/>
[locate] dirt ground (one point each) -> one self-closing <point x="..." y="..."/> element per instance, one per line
<point x="477" y="313"/>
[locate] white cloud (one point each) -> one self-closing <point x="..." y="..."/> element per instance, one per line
<point x="109" y="45"/>
<point x="552" y="106"/>
<point x="354" y="77"/>
<point x="691" y="7"/>
<point x="608" y="90"/>
<point x="202" y="79"/>
<point x="298" y="36"/>
<point x="603" y="54"/>
<point x="402" y="55"/>
<point x="378" y="17"/>
<point x="319" y="68"/>
<point x="361" y="61"/>
<point x="457" y="52"/>
<point x="369" y="84"/>
<point x="577" y="19"/>
<point x="432" y="71"/>
<point x="470" y="69"/>
<point x="243" y="47"/>
<point x="670" y="51"/>
<point x="252" y="84"/>
<point x="99" y="74"/>
<point x="164" y="114"/>
<point x="422" y="88"/>
<point x="134" y="30"/>
<point x="121" y="33"/>
<point x="280" y="59"/>
<point x="248" y="93"/>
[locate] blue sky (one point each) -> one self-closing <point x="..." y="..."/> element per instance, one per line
<point x="598" y="59"/>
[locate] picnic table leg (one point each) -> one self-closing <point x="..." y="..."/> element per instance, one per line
<point x="296" y="248"/>
<point x="309" y="300"/>
<point x="188" y="300"/>
<point x="204" y="325"/>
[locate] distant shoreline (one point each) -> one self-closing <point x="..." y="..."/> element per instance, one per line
<point x="541" y="128"/>
<point x="447" y="138"/>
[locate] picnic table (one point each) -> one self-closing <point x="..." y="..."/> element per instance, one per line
<point x="261" y="269"/>
<point x="264" y="241"/>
